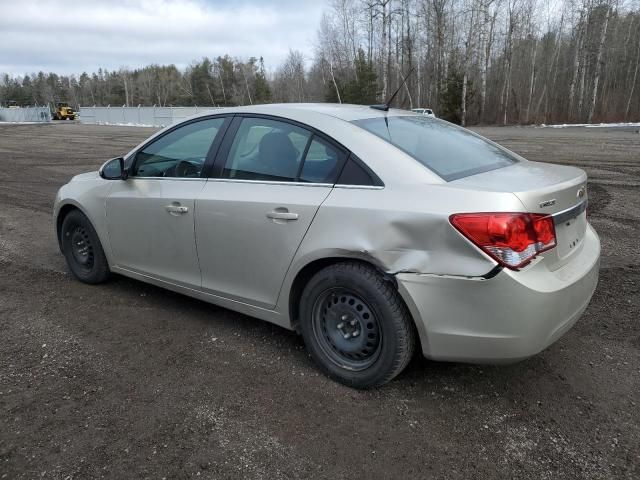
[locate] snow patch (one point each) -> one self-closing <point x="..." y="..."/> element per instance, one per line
<point x="23" y="123"/>
<point x="592" y="125"/>
<point x="128" y="124"/>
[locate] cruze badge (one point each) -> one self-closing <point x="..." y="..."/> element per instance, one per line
<point x="548" y="203"/>
<point x="580" y="193"/>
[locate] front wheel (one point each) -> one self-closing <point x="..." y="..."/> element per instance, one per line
<point x="355" y="325"/>
<point x="82" y="249"/>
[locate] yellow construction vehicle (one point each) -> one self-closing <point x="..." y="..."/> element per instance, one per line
<point x="63" y="112"/>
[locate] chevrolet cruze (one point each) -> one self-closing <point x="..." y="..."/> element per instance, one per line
<point x="371" y="232"/>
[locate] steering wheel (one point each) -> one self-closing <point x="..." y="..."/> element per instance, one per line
<point x="186" y="169"/>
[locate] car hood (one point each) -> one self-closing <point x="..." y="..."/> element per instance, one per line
<point x="85" y="176"/>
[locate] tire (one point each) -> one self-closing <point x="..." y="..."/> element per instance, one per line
<point x="82" y="249"/>
<point x="355" y="325"/>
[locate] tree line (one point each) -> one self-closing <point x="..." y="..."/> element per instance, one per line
<point x="224" y="81"/>
<point x="472" y="61"/>
<point x="486" y="61"/>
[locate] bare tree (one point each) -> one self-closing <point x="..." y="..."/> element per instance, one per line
<point x="599" y="60"/>
<point x="506" y="61"/>
<point x="634" y="79"/>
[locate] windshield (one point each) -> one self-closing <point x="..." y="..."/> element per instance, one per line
<point x="450" y="151"/>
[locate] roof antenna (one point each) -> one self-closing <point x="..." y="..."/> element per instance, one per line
<point x="385" y="106"/>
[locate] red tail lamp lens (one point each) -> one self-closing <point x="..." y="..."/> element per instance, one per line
<point x="512" y="239"/>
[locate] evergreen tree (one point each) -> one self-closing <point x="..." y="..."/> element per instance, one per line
<point x="450" y="99"/>
<point x="202" y="83"/>
<point x="261" y="90"/>
<point x="363" y="90"/>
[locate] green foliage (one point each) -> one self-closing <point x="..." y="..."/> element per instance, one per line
<point x="450" y="105"/>
<point x="202" y="83"/>
<point x="224" y="81"/>
<point x="361" y="90"/>
<point x="262" y="92"/>
<point x="364" y="89"/>
<point x="331" y="96"/>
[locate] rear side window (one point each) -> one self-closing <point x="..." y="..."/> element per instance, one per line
<point x="355" y="173"/>
<point x="321" y="163"/>
<point x="267" y="150"/>
<point x="264" y="149"/>
<point x="449" y="151"/>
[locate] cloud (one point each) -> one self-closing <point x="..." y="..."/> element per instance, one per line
<point x="72" y="36"/>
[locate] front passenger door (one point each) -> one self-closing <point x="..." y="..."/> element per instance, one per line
<point x="150" y="216"/>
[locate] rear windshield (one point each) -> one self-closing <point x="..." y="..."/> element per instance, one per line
<point x="450" y="151"/>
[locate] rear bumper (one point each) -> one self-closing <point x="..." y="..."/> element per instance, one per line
<point x="503" y="319"/>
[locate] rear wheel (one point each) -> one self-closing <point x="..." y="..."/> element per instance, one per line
<point x="355" y="325"/>
<point x="82" y="249"/>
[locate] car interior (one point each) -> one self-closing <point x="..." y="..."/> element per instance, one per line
<point x="267" y="151"/>
<point x="273" y="154"/>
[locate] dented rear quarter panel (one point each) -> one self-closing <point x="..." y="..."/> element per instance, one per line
<point x="405" y="229"/>
<point x="399" y="228"/>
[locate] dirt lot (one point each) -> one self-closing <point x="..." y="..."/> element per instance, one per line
<point x="126" y="380"/>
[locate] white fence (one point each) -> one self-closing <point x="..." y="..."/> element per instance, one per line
<point x="25" y="114"/>
<point x="150" y="116"/>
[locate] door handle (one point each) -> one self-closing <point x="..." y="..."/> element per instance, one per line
<point x="276" y="215"/>
<point x="176" y="209"/>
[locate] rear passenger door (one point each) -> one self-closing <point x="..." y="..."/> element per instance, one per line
<point x="269" y="180"/>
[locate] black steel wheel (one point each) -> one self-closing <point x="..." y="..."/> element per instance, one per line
<point x="356" y="325"/>
<point x="82" y="249"/>
<point x="346" y="329"/>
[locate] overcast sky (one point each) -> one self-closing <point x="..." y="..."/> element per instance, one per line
<point x="72" y="36"/>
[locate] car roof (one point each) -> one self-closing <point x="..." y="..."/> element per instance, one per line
<point x="334" y="120"/>
<point x="342" y="111"/>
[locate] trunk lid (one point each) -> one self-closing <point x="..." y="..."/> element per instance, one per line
<point x="556" y="190"/>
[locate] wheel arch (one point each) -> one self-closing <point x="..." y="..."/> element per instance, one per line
<point x="63" y="211"/>
<point x="305" y="274"/>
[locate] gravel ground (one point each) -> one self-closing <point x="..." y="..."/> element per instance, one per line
<point x="126" y="380"/>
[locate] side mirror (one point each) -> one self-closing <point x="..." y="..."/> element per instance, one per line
<point x="114" y="169"/>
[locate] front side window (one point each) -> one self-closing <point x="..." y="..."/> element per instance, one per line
<point x="449" y="151"/>
<point x="267" y="150"/>
<point x="180" y="153"/>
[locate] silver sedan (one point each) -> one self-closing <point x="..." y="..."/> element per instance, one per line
<point x="372" y="233"/>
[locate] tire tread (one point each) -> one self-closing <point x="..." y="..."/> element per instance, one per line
<point x="101" y="269"/>
<point x="402" y="320"/>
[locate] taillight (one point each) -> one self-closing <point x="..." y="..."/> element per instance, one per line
<point x="512" y="239"/>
